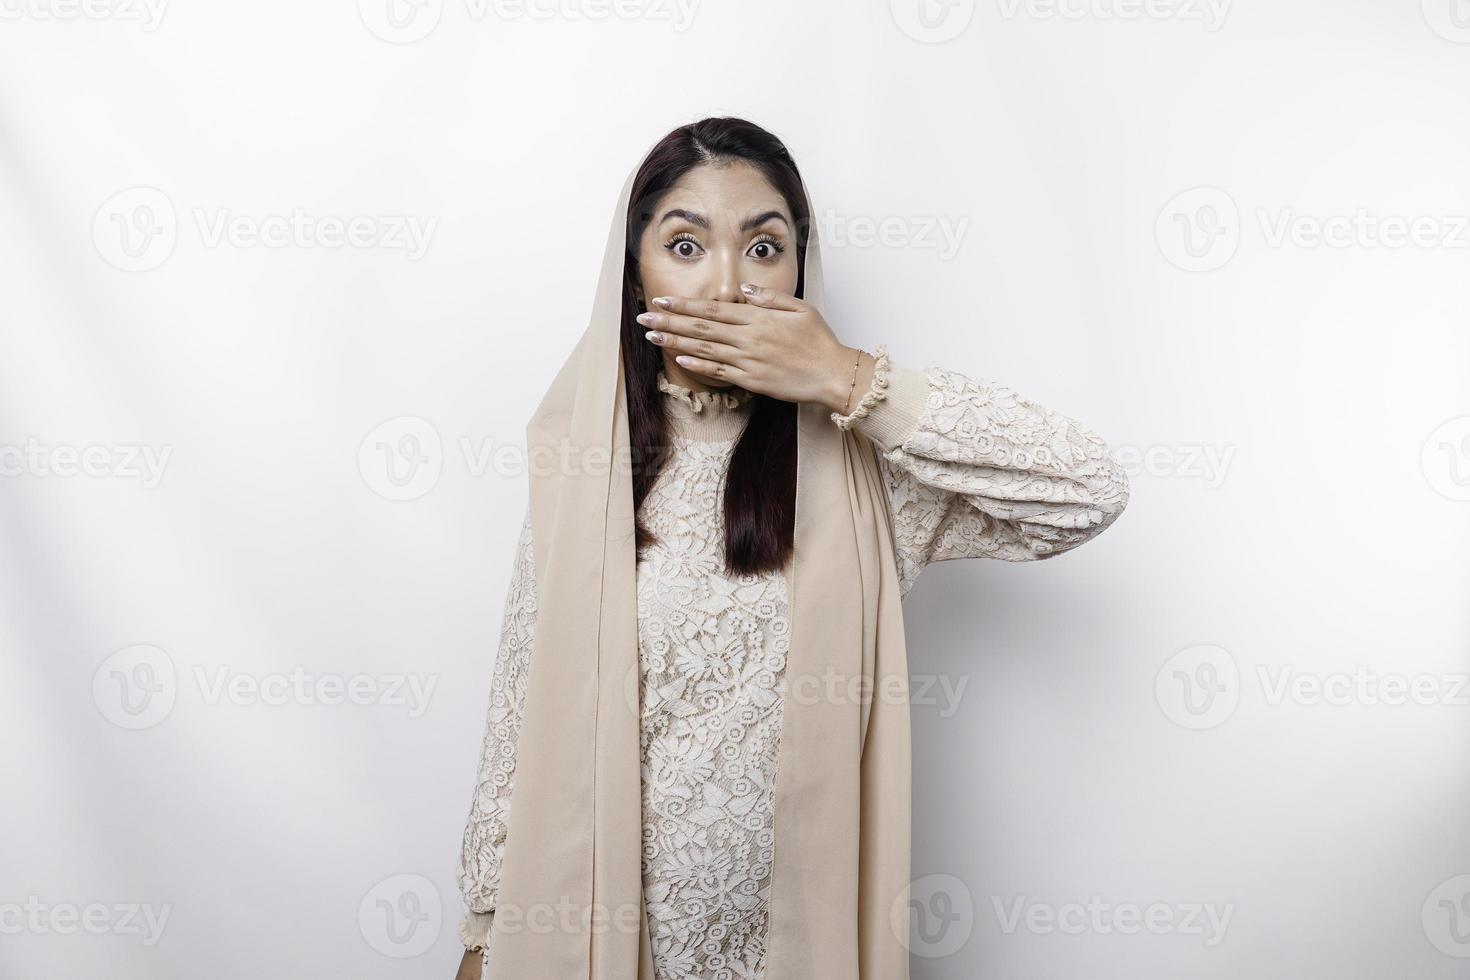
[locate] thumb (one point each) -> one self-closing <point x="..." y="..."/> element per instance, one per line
<point x="768" y="297"/>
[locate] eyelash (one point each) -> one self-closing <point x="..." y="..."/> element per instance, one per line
<point x="768" y="239"/>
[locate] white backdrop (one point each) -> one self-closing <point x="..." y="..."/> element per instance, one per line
<point x="282" y="283"/>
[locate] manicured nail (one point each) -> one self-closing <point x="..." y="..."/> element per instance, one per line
<point x="684" y="359"/>
<point x="647" y="318"/>
<point x="661" y="301"/>
<point x="655" y="336"/>
<point x="749" y="288"/>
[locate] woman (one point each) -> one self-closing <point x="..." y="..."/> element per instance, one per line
<point x="700" y="697"/>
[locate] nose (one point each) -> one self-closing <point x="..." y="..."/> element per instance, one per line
<point x="727" y="279"/>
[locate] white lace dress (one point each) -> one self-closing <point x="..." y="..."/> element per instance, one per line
<point x="971" y="469"/>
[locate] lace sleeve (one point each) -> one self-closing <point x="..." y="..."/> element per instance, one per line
<point x="974" y="470"/>
<point x="483" y="846"/>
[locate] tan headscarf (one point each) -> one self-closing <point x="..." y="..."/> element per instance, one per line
<point x="570" y="901"/>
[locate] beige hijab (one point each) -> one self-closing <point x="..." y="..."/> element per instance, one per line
<point x="570" y="902"/>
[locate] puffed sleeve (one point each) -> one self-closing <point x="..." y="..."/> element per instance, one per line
<point x="483" y="847"/>
<point x="974" y="470"/>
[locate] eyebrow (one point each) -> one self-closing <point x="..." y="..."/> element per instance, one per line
<point x="695" y="218"/>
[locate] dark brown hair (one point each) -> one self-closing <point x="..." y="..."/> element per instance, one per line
<point x="759" y="496"/>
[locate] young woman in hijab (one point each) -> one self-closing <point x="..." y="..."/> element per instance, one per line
<point x="695" y="763"/>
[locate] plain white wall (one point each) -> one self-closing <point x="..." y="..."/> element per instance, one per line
<point x="1182" y="221"/>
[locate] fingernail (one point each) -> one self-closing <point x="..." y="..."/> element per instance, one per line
<point x="647" y="318"/>
<point x="661" y="301"/>
<point x="749" y="289"/>
<point x="684" y="359"/>
<point x="655" y="336"/>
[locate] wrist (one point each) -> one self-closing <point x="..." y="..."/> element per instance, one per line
<point x="850" y="379"/>
<point x="838" y="378"/>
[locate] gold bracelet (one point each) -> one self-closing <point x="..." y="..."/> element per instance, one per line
<point x="856" y="361"/>
<point x="873" y="395"/>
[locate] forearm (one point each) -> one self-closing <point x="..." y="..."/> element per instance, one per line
<point x="976" y="470"/>
<point x="471" y="965"/>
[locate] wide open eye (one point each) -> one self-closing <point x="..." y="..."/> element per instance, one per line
<point x="769" y="248"/>
<point x="684" y="246"/>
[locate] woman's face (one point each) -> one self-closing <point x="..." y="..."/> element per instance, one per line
<point x="719" y="225"/>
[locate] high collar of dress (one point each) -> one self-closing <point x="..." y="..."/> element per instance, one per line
<point x="705" y="415"/>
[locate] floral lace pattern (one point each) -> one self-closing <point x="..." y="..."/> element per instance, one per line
<point x="971" y="469"/>
<point x="986" y="473"/>
<point x="712" y="651"/>
<point x="483" y="846"/>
